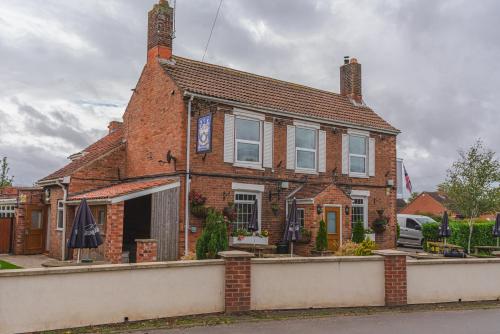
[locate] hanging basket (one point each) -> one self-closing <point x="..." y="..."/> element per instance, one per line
<point x="199" y="211"/>
<point x="379" y="225"/>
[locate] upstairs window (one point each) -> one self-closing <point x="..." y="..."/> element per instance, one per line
<point x="305" y="148"/>
<point x="248" y="141"/>
<point x="358" y="154"/>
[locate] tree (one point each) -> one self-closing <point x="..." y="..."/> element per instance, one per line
<point x="321" y="238"/>
<point x="5" y="180"/>
<point x="358" y="232"/>
<point x="214" y="237"/>
<point x="413" y="196"/>
<point x="472" y="184"/>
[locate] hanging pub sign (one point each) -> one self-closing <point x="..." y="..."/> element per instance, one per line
<point x="204" y="141"/>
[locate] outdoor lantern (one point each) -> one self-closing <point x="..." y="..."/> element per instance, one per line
<point x="346" y="210"/>
<point x="319" y="209"/>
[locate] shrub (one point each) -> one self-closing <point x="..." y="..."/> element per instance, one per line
<point x="213" y="239"/>
<point x="350" y="248"/>
<point x="321" y="238"/>
<point x="358" y="232"/>
<point x="430" y="232"/>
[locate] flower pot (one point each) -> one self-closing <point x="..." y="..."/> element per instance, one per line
<point x="370" y="236"/>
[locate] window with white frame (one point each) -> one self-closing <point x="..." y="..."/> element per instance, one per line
<point x="248" y="141"/>
<point x="244" y="203"/>
<point x="305" y="148"/>
<point x="300" y="217"/>
<point x="358" y="148"/>
<point x="359" y="212"/>
<point x="7" y="211"/>
<point x="60" y="215"/>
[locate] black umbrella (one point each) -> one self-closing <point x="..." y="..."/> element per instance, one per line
<point x="496" y="228"/>
<point x="444" y="229"/>
<point x="85" y="233"/>
<point x="292" y="226"/>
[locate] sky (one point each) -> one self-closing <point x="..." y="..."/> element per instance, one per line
<point x="430" y="67"/>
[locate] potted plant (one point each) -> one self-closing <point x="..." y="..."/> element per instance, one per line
<point x="197" y="204"/>
<point x="305" y="236"/>
<point x="380" y="222"/>
<point x="230" y="211"/>
<point x="321" y="248"/>
<point x="275" y="207"/>
<point x="370" y="234"/>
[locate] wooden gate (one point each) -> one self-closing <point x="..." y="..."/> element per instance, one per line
<point x="165" y="223"/>
<point x="5" y="234"/>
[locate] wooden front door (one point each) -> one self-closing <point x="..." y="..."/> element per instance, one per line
<point x="332" y="219"/>
<point x="34" y="219"/>
<point x="5" y="234"/>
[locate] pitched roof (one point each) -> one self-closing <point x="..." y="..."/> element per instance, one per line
<point x="439" y="197"/>
<point x="259" y="91"/>
<point x="121" y="189"/>
<point x="94" y="151"/>
<point x="311" y="190"/>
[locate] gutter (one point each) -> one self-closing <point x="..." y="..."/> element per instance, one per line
<point x="188" y="178"/>
<point x="290" y="114"/>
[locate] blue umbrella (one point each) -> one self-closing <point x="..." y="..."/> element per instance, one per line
<point x="292" y="226"/>
<point x="85" y="233"/>
<point x="496" y="228"/>
<point x="444" y="229"/>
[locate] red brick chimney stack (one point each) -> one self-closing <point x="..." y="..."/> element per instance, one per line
<point x="160" y="31"/>
<point x="350" y="79"/>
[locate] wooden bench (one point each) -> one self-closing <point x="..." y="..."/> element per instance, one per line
<point x="439" y="247"/>
<point x="488" y="249"/>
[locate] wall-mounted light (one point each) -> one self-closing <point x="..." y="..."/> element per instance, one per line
<point x="319" y="209"/>
<point x="346" y="210"/>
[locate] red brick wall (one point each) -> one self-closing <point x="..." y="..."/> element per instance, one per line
<point x="395" y="280"/>
<point x="424" y="204"/>
<point x="30" y="197"/>
<point x="147" y="251"/>
<point x="154" y="123"/>
<point x="114" y="233"/>
<point x="237" y="284"/>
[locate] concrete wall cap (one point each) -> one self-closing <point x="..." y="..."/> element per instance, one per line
<point x="319" y="259"/>
<point x="453" y="261"/>
<point x="235" y="254"/>
<point x="389" y="252"/>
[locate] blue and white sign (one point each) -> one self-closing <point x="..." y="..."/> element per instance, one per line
<point x="204" y="142"/>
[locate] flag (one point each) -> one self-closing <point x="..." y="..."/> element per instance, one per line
<point x="407" y="180"/>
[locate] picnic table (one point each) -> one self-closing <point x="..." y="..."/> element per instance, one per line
<point x="439" y="247"/>
<point x="489" y="249"/>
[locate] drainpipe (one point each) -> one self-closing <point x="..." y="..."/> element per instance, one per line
<point x="63" y="236"/>
<point x="186" y="200"/>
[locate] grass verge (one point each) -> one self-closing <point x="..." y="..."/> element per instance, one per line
<point x="8" y="265"/>
<point x="222" y="319"/>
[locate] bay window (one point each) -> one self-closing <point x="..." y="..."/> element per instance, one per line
<point x="305" y="148"/>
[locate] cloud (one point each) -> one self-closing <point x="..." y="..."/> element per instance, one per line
<point x="430" y="68"/>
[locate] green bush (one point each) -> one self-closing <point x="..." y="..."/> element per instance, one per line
<point x="365" y="248"/>
<point x="214" y="238"/>
<point x="481" y="233"/>
<point x="321" y="238"/>
<point x="358" y="232"/>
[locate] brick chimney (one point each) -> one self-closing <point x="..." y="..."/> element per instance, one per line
<point x="350" y="79"/>
<point x="113" y="126"/>
<point x="160" y="31"/>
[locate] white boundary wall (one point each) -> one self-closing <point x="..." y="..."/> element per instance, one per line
<point x="439" y="281"/>
<point x="295" y="283"/>
<point x="44" y="299"/>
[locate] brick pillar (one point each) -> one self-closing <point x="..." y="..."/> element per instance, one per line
<point x="395" y="276"/>
<point x="237" y="277"/>
<point x="113" y="242"/>
<point x="147" y="250"/>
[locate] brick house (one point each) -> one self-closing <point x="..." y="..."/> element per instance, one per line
<point x="233" y="137"/>
<point x="428" y="203"/>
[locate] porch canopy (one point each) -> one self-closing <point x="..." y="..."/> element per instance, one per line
<point x="125" y="191"/>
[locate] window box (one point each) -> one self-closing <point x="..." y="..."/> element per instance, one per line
<point x="249" y="240"/>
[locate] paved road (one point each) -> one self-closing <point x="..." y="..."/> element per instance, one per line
<point x="442" y="322"/>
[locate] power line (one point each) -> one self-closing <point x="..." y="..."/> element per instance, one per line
<point x="211" y="31"/>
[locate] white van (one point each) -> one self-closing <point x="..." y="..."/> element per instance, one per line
<point x="410" y="229"/>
